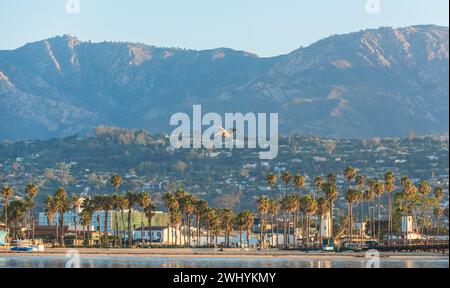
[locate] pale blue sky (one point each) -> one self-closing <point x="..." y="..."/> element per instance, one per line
<point x="264" y="27"/>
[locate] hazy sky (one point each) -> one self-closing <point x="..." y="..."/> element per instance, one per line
<point x="264" y="27"/>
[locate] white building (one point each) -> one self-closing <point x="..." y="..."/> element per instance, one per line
<point x="325" y="226"/>
<point x="159" y="234"/>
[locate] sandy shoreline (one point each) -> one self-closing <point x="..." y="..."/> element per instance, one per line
<point x="215" y="253"/>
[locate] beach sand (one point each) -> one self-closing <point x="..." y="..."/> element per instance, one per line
<point x="215" y="253"/>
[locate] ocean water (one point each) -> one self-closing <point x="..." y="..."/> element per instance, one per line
<point x="199" y="262"/>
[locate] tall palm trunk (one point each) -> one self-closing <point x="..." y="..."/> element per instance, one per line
<point x="248" y="237"/>
<point x="438" y="228"/>
<point x="182" y="230"/>
<point x="57" y="233"/>
<point x="389" y="217"/>
<point x="84" y="235"/>
<point x="276" y="231"/>
<point x="123" y="234"/>
<point x="362" y="221"/>
<point x="351" y="222"/>
<point x="33" y="224"/>
<point x="271" y="230"/>
<point x="374" y="234"/>
<point x="197" y="219"/>
<point x="294" y="241"/>
<point x="62" y="229"/>
<point x="240" y="235"/>
<point x="130" y="233"/>
<point x="308" y="226"/>
<point x="142" y="228"/>
<point x="189" y="230"/>
<point x="261" y="226"/>
<point x="6" y="220"/>
<point x="116" y="229"/>
<point x="295" y="226"/>
<point x="75" y="224"/>
<point x="320" y="231"/>
<point x="331" y="219"/>
<point x="99" y="228"/>
<point x="379" y="219"/>
<point x="106" y="228"/>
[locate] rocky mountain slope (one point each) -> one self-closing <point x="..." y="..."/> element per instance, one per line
<point x="381" y="82"/>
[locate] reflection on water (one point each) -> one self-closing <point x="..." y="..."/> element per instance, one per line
<point x="117" y="262"/>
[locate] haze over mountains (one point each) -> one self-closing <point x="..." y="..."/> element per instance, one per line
<point x="382" y="82"/>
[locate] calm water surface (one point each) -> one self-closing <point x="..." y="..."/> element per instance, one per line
<point x="118" y="262"/>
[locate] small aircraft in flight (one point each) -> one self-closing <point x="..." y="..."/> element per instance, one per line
<point x="226" y="133"/>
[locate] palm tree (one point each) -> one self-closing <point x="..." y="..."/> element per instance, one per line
<point x="172" y="204"/>
<point x="144" y="202"/>
<point x="122" y="204"/>
<point x="438" y="213"/>
<point x="31" y="190"/>
<point x="63" y="204"/>
<point x="50" y="209"/>
<point x="299" y="182"/>
<point x="331" y="178"/>
<point x="115" y="199"/>
<point x="227" y="217"/>
<point x="17" y="212"/>
<point x="116" y="182"/>
<point x="389" y="184"/>
<point x="240" y="222"/>
<point x="75" y="203"/>
<point x="180" y="195"/>
<point x="331" y="194"/>
<point x="189" y="208"/>
<point x="293" y="203"/>
<point x="379" y="190"/>
<point x="351" y="196"/>
<point x="175" y="220"/>
<point x="446" y="212"/>
<point x="131" y="201"/>
<point x="200" y="209"/>
<point x="107" y="206"/>
<point x="249" y="219"/>
<point x="7" y="193"/>
<point x="271" y="180"/>
<point x="85" y="221"/>
<point x="319" y="182"/>
<point x="97" y="204"/>
<point x="371" y="196"/>
<point x="283" y="207"/>
<point x="438" y="195"/>
<point x="424" y="188"/>
<point x="149" y="213"/>
<point x="360" y="183"/>
<point x="263" y="204"/>
<point x="286" y="177"/>
<point x="211" y="218"/>
<point x="309" y="207"/>
<point x="273" y="208"/>
<point x="350" y="174"/>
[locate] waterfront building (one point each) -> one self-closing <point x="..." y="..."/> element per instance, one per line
<point x="159" y="219"/>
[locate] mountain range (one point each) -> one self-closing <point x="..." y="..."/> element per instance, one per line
<point x="379" y="82"/>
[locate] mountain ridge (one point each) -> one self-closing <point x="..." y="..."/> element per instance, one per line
<point x="62" y="86"/>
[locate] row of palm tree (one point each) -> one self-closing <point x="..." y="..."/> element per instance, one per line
<point x="298" y="207"/>
<point x="319" y="201"/>
<point x="185" y="210"/>
<point x="18" y="209"/>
